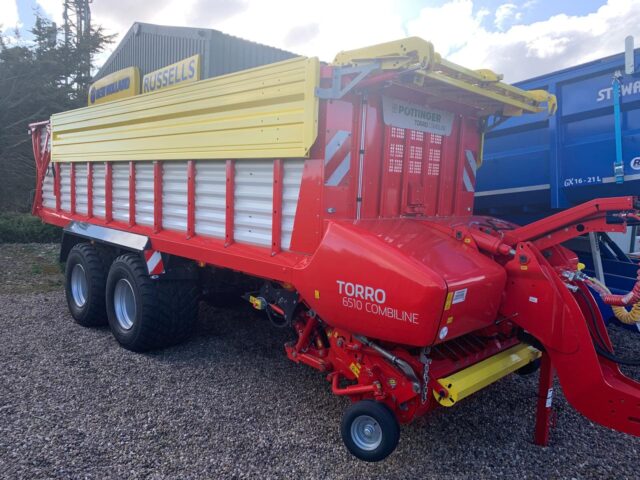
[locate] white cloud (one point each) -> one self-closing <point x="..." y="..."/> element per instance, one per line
<point x="524" y="51"/>
<point x="458" y="28"/>
<point x="448" y="26"/>
<point x="318" y="29"/>
<point x="53" y="9"/>
<point x="9" y="18"/>
<point x="505" y="13"/>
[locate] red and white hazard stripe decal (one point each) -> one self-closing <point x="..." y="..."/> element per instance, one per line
<point x="337" y="158"/>
<point x="469" y="171"/>
<point x="154" y="262"/>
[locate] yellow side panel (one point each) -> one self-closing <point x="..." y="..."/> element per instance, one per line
<point x="265" y="112"/>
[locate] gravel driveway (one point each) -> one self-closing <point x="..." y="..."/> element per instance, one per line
<point x="228" y="404"/>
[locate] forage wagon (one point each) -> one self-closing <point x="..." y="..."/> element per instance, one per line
<point x="340" y="198"/>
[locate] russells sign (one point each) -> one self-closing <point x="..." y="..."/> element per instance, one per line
<point x="121" y="84"/>
<point x="403" y="114"/>
<point x="177" y="74"/>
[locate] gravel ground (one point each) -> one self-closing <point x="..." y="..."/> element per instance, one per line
<point x="228" y="404"/>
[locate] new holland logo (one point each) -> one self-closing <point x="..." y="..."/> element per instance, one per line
<point x="115" y="86"/>
<point x="110" y="89"/>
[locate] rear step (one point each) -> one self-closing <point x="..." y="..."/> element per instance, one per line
<point x="471" y="379"/>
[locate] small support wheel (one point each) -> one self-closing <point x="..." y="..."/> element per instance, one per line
<point x="370" y="430"/>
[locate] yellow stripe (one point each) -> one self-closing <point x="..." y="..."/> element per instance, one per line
<point x="447" y="304"/>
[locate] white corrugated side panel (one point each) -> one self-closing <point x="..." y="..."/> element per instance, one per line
<point x="174" y="196"/>
<point x="65" y="187"/>
<point x="144" y="193"/>
<point x="98" y="190"/>
<point x="211" y="179"/>
<point x="253" y="201"/>
<point x="81" y="188"/>
<point x="48" y="197"/>
<point x="120" y="191"/>
<point x="290" y="192"/>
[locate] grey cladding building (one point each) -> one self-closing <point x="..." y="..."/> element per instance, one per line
<point x="151" y="47"/>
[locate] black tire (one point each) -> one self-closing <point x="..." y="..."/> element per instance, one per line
<point x="89" y="263"/>
<point x="165" y="311"/>
<point x="389" y="430"/>
<point x="529" y="368"/>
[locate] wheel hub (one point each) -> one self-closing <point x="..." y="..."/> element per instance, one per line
<point x="124" y="304"/>
<point x="79" y="287"/>
<point x="366" y="432"/>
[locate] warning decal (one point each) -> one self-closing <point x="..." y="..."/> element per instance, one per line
<point x="459" y="296"/>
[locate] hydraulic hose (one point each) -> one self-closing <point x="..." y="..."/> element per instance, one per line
<point x="618" y="302"/>
<point x="630" y="298"/>
<point x="599" y="343"/>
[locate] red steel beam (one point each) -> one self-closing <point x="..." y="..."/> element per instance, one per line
<point x="72" y="188"/>
<point x="229" y="210"/>
<point x="595" y="225"/>
<point x="276" y="220"/>
<point x="42" y="156"/>
<point x="586" y="211"/>
<point x="108" y="192"/>
<point x="157" y="196"/>
<point x="56" y="185"/>
<point x="132" y="194"/>
<point x="191" y="198"/>
<point x="544" y="407"/>
<point x="352" y="389"/>
<point x="253" y="259"/>
<point x="89" y="189"/>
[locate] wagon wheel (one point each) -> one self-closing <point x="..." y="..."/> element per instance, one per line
<point x="370" y="430"/>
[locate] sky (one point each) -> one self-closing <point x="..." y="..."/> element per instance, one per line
<point x="518" y="38"/>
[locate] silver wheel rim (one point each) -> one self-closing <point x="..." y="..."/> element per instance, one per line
<point x="366" y="433"/>
<point x="79" y="287"/>
<point x="124" y="303"/>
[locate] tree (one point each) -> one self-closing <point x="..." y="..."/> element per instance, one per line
<point x="37" y="78"/>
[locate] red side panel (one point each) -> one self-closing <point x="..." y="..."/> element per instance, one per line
<point x="307" y="231"/>
<point x="390" y="279"/>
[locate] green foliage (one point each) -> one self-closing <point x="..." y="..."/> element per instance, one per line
<point x="23" y="228"/>
<point x="37" y="78"/>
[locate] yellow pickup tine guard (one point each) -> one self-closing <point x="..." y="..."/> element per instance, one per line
<point x="468" y="381"/>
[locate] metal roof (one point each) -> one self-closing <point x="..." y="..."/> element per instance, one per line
<point x="151" y="47"/>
